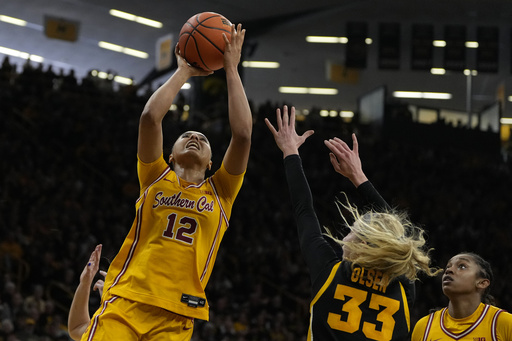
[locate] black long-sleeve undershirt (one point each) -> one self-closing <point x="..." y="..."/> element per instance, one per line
<point x="315" y="249"/>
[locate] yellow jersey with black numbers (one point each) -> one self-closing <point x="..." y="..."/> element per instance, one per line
<point x="169" y="252"/>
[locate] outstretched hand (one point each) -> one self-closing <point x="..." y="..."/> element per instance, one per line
<point x="92" y="267"/>
<point x="233" y="49"/>
<point x="285" y="136"/>
<point x="183" y="64"/>
<point x="346" y="161"/>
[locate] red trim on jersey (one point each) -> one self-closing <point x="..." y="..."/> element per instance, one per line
<point x="494" y="325"/>
<point x="95" y="320"/>
<point x="222" y="217"/>
<point x="137" y="228"/>
<point x="223" y="213"/>
<point x="467" y="331"/>
<point x="428" y="327"/>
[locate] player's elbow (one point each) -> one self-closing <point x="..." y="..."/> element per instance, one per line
<point x="242" y="134"/>
<point x="76" y="332"/>
<point x="148" y="118"/>
<point x="242" y="140"/>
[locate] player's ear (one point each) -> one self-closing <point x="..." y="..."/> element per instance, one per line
<point x="210" y="165"/>
<point x="483" y="283"/>
<point x="171" y="158"/>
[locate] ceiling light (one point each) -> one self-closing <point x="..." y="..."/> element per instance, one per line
<point x="102" y="75"/>
<point x="437" y="71"/>
<point x="472" y="44"/>
<point x="322" y="91"/>
<point x="506" y="120"/>
<point x="407" y="94"/>
<point x="424" y="95"/>
<point x="137" y="19"/>
<point x="123" y="80"/>
<point x="304" y="90"/>
<point x="110" y="46"/>
<point x="122" y="49"/>
<point x="439" y="43"/>
<point x="135" y="53"/>
<point x="293" y="90"/>
<point x="437" y="95"/>
<point x="347" y="114"/>
<point x="21" y="54"/>
<point x="326" y="39"/>
<point x="260" y="65"/>
<point x="12" y="20"/>
<point x="149" y="22"/>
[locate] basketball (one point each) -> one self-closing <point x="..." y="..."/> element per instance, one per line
<point x="201" y="42"/>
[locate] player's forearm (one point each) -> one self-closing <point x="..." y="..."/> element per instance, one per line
<point x="78" y="318"/>
<point x="240" y="118"/>
<point x="161" y="100"/>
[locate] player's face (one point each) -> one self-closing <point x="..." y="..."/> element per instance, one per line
<point x="461" y="275"/>
<point x="350" y="237"/>
<point x="192" y="143"/>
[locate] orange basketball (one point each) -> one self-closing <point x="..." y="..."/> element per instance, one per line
<point x="201" y="42"/>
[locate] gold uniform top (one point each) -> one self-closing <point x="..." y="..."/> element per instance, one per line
<point x="169" y="252"/>
<point x="487" y="323"/>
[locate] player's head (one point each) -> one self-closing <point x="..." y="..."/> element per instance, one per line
<point x="386" y="241"/>
<point x="191" y="148"/>
<point x="467" y="273"/>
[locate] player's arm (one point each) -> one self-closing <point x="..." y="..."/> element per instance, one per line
<point x="150" y="142"/>
<point x="347" y="162"/>
<point x="240" y="118"/>
<point x="315" y="249"/>
<point x="79" y="318"/>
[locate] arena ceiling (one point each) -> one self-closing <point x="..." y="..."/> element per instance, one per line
<point x="276" y="31"/>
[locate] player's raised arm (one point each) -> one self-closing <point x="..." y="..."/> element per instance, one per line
<point x="240" y="118"/>
<point x="150" y="143"/>
<point x="346" y="161"/>
<point x="78" y="318"/>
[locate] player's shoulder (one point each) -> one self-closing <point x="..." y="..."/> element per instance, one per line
<point x="504" y="316"/>
<point x="422" y="322"/>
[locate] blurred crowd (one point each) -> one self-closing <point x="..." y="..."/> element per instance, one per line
<point x="69" y="182"/>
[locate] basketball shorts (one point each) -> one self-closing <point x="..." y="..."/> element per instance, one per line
<point x="122" y="319"/>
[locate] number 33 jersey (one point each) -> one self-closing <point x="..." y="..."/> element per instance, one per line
<point x="352" y="304"/>
<point x="167" y="258"/>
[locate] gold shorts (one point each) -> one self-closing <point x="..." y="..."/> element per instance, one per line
<point x="119" y="318"/>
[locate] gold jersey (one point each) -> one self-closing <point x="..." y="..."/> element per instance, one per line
<point x="487" y="323"/>
<point x="169" y="252"/>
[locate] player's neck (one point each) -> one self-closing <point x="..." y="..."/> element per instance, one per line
<point x="190" y="174"/>
<point x="463" y="306"/>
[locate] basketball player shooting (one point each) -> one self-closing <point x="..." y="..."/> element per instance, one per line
<point x="155" y="285"/>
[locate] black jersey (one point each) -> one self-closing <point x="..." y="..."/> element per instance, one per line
<point x="349" y="302"/>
